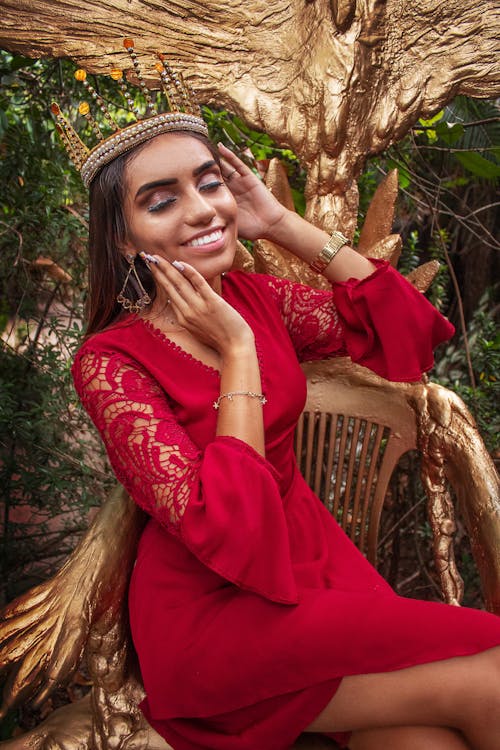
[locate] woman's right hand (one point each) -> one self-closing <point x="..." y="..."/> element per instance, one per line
<point x="199" y="309"/>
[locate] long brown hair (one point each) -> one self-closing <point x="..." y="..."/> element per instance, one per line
<point x="108" y="267"/>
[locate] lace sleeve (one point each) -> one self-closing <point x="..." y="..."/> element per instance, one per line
<point x="382" y="322"/>
<point x="311" y="317"/>
<point x="223" y="503"/>
<point x="150" y="454"/>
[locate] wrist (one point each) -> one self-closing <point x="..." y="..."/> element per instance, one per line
<point x="240" y="349"/>
<point x="278" y="230"/>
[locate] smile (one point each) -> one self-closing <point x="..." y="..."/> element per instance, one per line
<point x="206" y="239"/>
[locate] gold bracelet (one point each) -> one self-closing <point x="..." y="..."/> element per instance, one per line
<point x="232" y="394"/>
<point x="330" y="250"/>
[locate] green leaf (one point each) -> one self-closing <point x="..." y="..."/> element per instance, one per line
<point x="433" y="120"/>
<point x="449" y="132"/>
<point x="299" y="201"/>
<point x="18" y="61"/>
<point x="478" y="165"/>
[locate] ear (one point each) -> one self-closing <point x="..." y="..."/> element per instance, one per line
<point x="127" y="248"/>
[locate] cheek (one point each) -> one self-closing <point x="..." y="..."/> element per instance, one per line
<point x="230" y="206"/>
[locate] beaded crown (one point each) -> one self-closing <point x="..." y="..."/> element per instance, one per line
<point x="182" y="113"/>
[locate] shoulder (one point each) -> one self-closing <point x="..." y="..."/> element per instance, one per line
<point x="115" y="343"/>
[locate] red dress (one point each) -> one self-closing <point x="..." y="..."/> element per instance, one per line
<point x="248" y="603"/>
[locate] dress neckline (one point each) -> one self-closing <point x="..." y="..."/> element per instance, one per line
<point x="180" y="351"/>
<point x="177" y="348"/>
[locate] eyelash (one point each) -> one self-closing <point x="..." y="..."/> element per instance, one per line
<point x="161" y="204"/>
<point x="168" y="201"/>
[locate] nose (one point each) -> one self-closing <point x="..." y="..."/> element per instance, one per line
<point x="199" y="209"/>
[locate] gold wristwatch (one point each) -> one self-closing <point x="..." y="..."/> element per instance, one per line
<point x="330" y="250"/>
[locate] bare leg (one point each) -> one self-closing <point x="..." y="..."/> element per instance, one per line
<point x="461" y="694"/>
<point x="408" y="738"/>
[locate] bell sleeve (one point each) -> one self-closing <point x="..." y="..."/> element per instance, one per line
<point x="223" y="502"/>
<point x="381" y="322"/>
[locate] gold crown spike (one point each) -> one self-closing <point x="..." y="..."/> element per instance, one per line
<point x="81" y="76"/>
<point x="117" y="75"/>
<point x="75" y="157"/>
<point x="129" y="46"/>
<point x="168" y="81"/>
<point x="176" y="89"/>
<point x="76" y="148"/>
<point x="166" y="86"/>
<point x="173" y="83"/>
<point x="84" y="109"/>
<point x="179" y="79"/>
<point x="182" y="115"/>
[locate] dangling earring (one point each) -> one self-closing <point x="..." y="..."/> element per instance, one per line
<point x="143" y="300"/>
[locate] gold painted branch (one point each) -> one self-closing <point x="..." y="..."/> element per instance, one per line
<point x="44" y="632"/>
<point x="472" y="473"/>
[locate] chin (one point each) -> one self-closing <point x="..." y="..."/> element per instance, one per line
<point x="214" y="266"/>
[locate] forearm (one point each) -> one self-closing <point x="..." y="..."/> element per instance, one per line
<point x="306" y="241"/>
<point x="241" y="417"/>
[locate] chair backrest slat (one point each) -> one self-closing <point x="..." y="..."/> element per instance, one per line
<point x="347" y="443"/>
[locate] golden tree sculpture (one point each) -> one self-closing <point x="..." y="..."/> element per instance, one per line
<point x="335" y="80"/>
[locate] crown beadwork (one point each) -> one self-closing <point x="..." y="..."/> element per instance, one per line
<point x="182" y="113"/>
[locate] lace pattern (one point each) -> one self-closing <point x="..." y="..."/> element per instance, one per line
<point x="152" y="456"/>
<point x="311" y="318"/>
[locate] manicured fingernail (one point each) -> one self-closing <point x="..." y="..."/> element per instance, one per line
<point x="177" y="264"/>
<point x="149" y="258"/>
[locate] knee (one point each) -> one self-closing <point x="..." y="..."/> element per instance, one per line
<point x="483" y="686"/>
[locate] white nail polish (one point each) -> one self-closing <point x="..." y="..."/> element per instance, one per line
<point x="177" y="264"/>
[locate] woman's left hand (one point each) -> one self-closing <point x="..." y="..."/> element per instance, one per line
<point x="258" y="209"/>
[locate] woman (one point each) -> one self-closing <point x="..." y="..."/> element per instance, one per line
<point x="253" y="616"/>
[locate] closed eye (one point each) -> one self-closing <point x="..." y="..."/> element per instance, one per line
<point x="212" y="185"/>
<point x="161" y="204"/>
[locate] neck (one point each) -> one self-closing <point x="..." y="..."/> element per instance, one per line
<point x="161" y="307"/>
<point x="216" y="283"/>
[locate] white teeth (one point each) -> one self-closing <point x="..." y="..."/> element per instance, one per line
<point x="206" y="239"/>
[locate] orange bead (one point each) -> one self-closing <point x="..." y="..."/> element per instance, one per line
<point x="80" y="74"/>
<point x="128" y="43"/>
<point x="116" y="74"/>
<point x="54" y="108"/>
<point x="83" y="108"/>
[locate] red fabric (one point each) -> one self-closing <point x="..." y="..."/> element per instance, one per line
<point x="248" y="604"/>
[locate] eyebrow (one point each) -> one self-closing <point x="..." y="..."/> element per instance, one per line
<point x="162" y="183"/>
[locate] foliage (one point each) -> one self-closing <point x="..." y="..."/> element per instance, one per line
<point x="51" y="469"/>
<point x="482" y="399"/>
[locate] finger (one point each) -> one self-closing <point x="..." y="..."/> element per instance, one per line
<point x="234" y="162"/>
<point x="168" y="276"/>
<point x="181" y="293"/>
<point x="197" y="281"/>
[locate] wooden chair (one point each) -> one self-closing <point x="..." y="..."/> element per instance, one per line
<point x="354" y="429"/>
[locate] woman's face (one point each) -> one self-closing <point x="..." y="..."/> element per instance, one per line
<point x="177" y="205"/>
